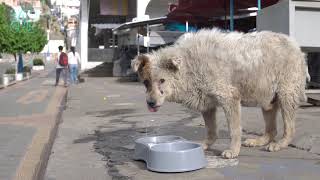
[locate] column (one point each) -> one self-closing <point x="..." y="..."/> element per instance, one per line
<point x="84" y="17"/>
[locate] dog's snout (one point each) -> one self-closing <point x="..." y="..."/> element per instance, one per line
<point x="151" y="103"/>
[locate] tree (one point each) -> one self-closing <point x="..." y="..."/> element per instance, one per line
<point x="6" y="16"/>
<point x="7" y="13"/>
<point x="28" y="37"/>
<point x="19" y="37"/>
<point x="37" y="39"/>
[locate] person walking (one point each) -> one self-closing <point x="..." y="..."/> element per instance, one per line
<point x="61" y="66"/>
<point x="74" y="61"/>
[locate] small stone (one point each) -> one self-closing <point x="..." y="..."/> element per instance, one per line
<point x="142" y="130"/>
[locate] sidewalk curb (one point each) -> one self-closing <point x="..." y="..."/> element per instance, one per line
<point x="17" y="82"/>
<point x="33" y="165"/>
<point x="39" y="175"/>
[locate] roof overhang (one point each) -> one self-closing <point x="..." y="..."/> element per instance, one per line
<point x="105" y="25"/>
<point x="134" y="24"/>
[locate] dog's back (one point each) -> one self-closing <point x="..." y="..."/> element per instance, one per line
<point x="256" y="63"/>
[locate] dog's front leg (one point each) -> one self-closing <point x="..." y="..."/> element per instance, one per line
<point x="209" y="117"/>
<point x="231" y="109"/>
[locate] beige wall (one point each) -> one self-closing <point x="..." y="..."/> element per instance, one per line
<point x="14" y="3"/>
<point x="114" y="7"/>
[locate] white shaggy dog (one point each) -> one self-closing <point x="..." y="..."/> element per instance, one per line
<point x="210" y="68"/>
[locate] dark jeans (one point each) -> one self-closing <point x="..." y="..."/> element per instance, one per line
<point x="64" y="74"/>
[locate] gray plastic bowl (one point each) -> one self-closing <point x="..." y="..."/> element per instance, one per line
<point x="176" y="157"/>
<point x="142" y="145"/>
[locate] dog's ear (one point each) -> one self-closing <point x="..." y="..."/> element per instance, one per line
<point x="139" y="62"/>
<point x="174" y="63"/>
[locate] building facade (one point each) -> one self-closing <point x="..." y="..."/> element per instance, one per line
<point x="99" y="17"/>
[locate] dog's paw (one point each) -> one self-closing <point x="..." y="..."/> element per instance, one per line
<point x="229" y="154"/>
<point x="272" y="147"/>
<point x="250" y="143"/>
<point x="254" y="142"/>
<point x="205" y="146"/>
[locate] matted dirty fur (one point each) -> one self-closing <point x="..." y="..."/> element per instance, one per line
<point x="210" y="68"/>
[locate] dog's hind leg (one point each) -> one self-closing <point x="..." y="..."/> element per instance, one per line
<point x="270" y="128"/>
<point x="288" y="104"/>
<point x="209" y="117"/>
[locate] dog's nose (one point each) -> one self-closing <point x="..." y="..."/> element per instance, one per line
<point x="151" y="103"/>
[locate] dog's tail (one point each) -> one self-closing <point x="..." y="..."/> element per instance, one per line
<point x="303" y="96"/>
<point x="308" y="78"/>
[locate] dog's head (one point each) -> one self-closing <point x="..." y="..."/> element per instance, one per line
<point x="156" y="73"/>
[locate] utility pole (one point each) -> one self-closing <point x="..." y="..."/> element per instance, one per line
<point x="231" y="15"/>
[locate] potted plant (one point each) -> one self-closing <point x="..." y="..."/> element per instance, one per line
<point x="19" y="76"/>
<point x="8" y="76"/>
<point x="26" y="72"/>
<point x="38" y="64"/>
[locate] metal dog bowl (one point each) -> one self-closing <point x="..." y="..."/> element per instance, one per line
<point x="170" y="154"/>
<point x="142" y="145"/>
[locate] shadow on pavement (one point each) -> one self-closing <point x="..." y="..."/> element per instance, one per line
<point x="102" y="70"/>
<point x="117" y="146"/>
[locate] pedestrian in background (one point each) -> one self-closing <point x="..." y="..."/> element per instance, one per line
<point x="74" y="61"/>
<point x="61" y="66"/>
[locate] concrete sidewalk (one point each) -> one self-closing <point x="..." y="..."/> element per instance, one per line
<point x="104" y="116"/>
<point x="29" y="115"/>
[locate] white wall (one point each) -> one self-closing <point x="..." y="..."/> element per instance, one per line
<point x="84" y="16"/>
<point x="52" y="46"/>
<point x="299" y="19"/>
<point x="141" y="8"/>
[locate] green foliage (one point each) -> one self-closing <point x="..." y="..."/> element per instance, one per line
<point x="7" y="13"/>
<point x="26" y="39"/>
<point x="26" y="69"/>
<point x="6" y="16"/>
<point x="20" y="38"/>
<point x="38" y="62"/>
<point x="10" y="71"/>
<point x="43" y="20"/>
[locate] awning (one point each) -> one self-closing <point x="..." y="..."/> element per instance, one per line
<point x="140" y="23"/>
<point x="203" y="11"/>
<point x="194" y="10"/>
<point x="106" y="25"/>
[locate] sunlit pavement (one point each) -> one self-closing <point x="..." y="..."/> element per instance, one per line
<point x="29" y="115"/>
<point x="104" y="116"/>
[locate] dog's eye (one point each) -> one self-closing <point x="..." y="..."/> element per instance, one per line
<point x="146" y="83"/>
<point x="162" y="81"/>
